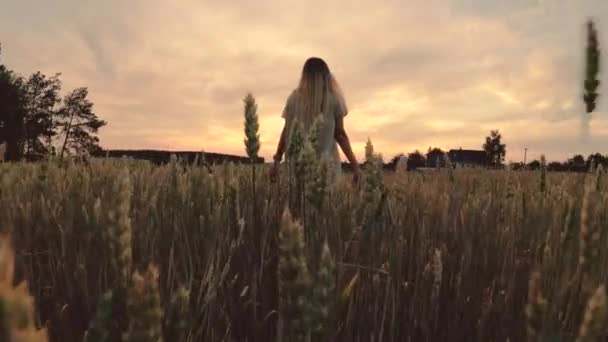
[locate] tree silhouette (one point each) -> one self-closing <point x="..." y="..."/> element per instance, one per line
<point x="577" y="163"/>
<point x="555" y="166"/>
<point x="12" y="113"/>
<point x="396" y="158"/>
<point x="534" y="165"/>
<point x="592" y="68"/>
<point x="435" y="157"/>
<point x="415" y="160"/>
<point x="30" y="117"/>
<point x="41" y="98"/>
<point x="596" y="159"/>
<point x="495" y="150"/>
<point x="79" y="123"/>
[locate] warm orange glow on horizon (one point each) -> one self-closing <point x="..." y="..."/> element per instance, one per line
<point x="429" y="73"/>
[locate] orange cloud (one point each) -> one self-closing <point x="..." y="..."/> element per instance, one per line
<point x="416" y="74"/>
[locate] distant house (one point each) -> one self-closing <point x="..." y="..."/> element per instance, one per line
<point x="163" y="157"/>
<point x="468" y="158"/>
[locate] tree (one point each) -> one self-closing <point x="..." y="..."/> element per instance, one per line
<point x="29" y="118"/>
<point x="592" y="68"/>
<point x="495" y="150"/>
<point x="596" y="160"/>
<point x="395" y="159"/>
<point x="79" y="123"/>
<point x="534" y="165"/>
<point x="516" y="166"/>
<point x="435" y="157"/>
<point x="12" y="113"/>
<point x="555" y="166"/>
<point x="415" y="160"/>
<point x="41" y="99"/>
<point x="577" y="163"/>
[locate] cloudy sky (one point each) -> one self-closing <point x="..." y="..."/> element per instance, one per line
<point x="416" y="73"/>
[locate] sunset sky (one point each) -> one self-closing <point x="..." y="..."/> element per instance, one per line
<point x="416" y="73"/>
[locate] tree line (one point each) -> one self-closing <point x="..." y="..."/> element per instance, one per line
<point x="437" y="158"/>
<point x="36" y="122"/>
<point x="577" y="163"/>
<point x="495" y="158"/>
<point x="495" y="152"/>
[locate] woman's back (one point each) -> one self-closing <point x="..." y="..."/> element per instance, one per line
<point x="331" y="107"/>
<point x="317" y="102"/>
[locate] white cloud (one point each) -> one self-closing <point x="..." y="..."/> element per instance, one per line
<point x="416" y="73"/>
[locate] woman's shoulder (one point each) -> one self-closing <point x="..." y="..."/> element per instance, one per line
<point x="337" y="97"/>
<point x="339" y="102"/>
<point x="292" y="95"/>
<point x="289" y="104"/>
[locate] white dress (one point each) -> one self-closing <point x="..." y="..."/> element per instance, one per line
<point x="327" y="146"/>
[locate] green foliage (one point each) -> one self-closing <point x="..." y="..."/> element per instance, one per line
<point x="374" y="179"/>
<point x="294" y="281"/>
<point x="495" y="150"/>
<point x="543" y="173"/>
<point x="177" y="317"/>
<point x="536" y="308"/>
<point x="314" y="172"/>
<point x="17" y="318"/>
<point x="79" y="124"/>
<point x="315" y="131"/>
<point x="31" y="117"/>
<point x="143" y="308"/>
<point x="12" y="113"/>
<point x="369" y="150"/>
<point x="315" y="168"/>
<point x="415" y="160"/>
<point x="592" y="68"/>
<point x="435" y="157"/>
<point x="252" y="137"/>
<point x="323" y="298"/>
<point x="296" y="141"/>
<point x="101" y="325"/>
<point x="593" y="327"/>
<point x="41" y="99"/>
<point x="295" y="168"/>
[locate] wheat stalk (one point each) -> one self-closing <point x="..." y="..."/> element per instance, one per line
<point x="294" y="281"/>
<point x="536" y="308"/>
<point x="143" y="308"/>
<point x="593" y="327"/>
<point x="16" y="305"/>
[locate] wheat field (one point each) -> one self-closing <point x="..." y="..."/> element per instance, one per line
<point x="119" y="250"/>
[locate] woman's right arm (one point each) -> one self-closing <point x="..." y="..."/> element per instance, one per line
<point x="344" y="143"/>
<point x="274" y="170"/>
<point x="281" y="147"/>
<point x="287" y="114"/>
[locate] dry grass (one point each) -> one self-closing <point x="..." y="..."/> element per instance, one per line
<point x="446" y="256"/>
<point x="16" y="305"/>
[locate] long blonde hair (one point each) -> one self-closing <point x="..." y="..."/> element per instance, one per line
<point x="314" y="92"/>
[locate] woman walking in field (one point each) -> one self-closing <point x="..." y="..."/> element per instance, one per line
<point x="318" y="95"/>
